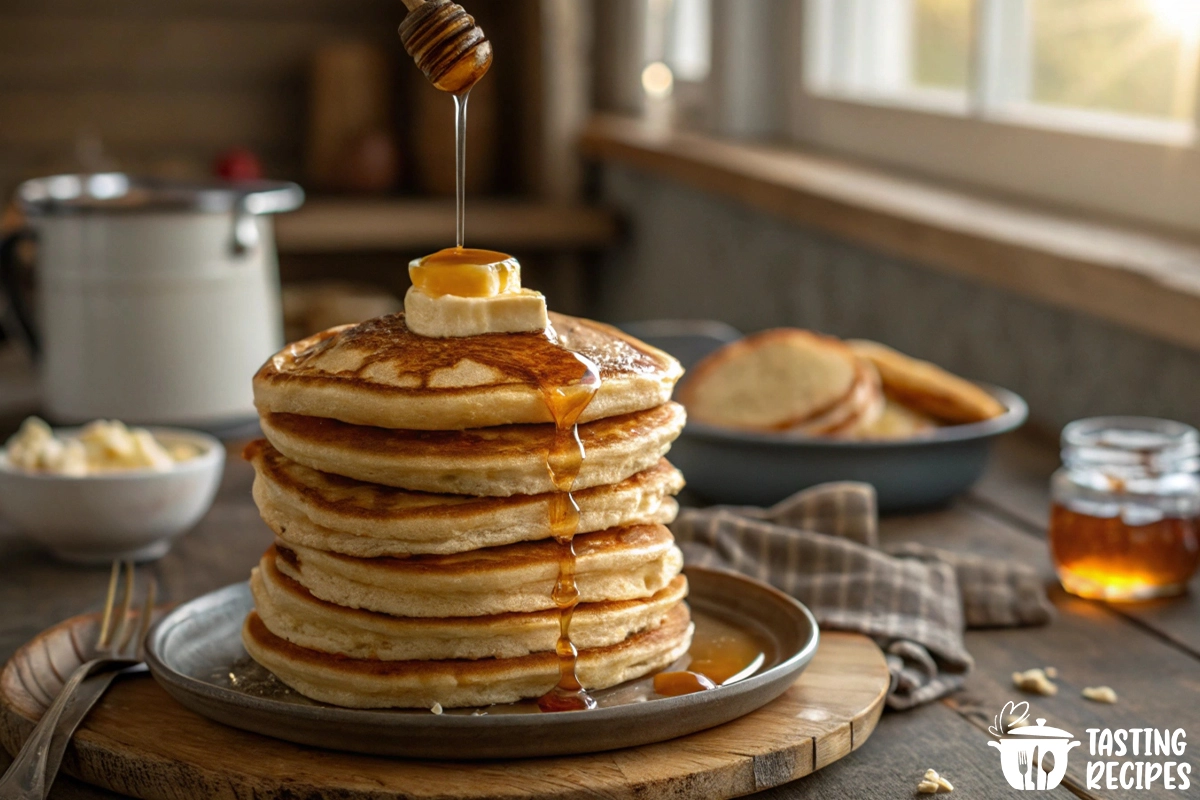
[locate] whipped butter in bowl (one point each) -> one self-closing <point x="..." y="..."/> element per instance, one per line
<point x="99" y="447"/>
<point x="106" y="490"/>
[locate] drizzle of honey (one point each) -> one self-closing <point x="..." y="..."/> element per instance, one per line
<point x="566" y="402"/>
<point x="1108" y="558"/>
<point x="466" y="272"/>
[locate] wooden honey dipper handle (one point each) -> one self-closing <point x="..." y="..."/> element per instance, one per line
<point x="447" y="45"/>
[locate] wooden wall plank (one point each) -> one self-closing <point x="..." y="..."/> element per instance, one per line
<point x="167" y="54"/>
<point x="165" y="86"/>
<point x="237" y="9"/>
<point x="146" y="118"/>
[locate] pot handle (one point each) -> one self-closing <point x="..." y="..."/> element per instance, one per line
<point x="10" y="283"/>
<point x="245" y="228"/>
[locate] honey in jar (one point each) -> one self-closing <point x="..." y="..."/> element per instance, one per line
<point x="1125" y="520"/>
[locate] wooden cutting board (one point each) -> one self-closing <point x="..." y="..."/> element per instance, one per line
<point x="140" y="742"/>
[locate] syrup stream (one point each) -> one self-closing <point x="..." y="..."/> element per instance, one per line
<point x="460" y="168"/>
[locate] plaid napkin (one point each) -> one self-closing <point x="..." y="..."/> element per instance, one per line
<point x="821" y="546"/>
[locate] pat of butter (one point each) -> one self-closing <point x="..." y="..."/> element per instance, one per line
<point x="449" y="315"/>
<point x="466" y="292"/>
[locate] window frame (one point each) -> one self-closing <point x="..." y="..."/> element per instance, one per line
<point x="1147" y="170"/>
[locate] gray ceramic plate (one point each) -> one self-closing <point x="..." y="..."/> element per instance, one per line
<point x="727" y="466"/>
<point x="196" y="655"/>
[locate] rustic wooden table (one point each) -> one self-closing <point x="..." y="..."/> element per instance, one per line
<point x="1149" y="653"/>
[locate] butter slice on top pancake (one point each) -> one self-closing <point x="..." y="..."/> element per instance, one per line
<point x="498" y="461"/>
<point x="380" y="373"/>
<point x="374" y="683"/>
<point x="329" y="512"/>
<point x="292" y="612"/>
<point x="620" y="564"/>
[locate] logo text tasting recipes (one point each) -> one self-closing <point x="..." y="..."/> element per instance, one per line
<point x="1034" y="757"/>
<point x="1137" y="770"/>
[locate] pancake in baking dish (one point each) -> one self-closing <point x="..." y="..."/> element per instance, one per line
<point x="498" y="461"/>
<point x="619" y="564"/>
<point x="374" y="683"/>
<point x="342" y="515"/>
<point x="291" y="612"/>
<point x="928" y="388"/>
<point x="775" y="380"/>
<point x="380" y="373"/>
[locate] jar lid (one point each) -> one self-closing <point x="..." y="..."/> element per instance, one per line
<point x="1137" y="445"/>
<point x="115" y="192"/>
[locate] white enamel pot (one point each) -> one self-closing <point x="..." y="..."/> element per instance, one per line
<point x="154" y="302"/>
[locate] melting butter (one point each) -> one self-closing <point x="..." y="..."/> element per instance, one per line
<point x="467" y="292"/>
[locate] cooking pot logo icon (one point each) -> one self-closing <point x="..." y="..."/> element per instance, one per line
<point x="1033" y="757"/>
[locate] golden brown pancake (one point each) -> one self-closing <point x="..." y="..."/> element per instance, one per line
<point x="380" y="373"/>
<point x="500" y="461"/>
<point x="775" y="380"/>
<point x="374" y="683"/>
<point x="292" y="612"/>
<point x="926" y="387"/>
<point x="619" y="564"/>
<point x="342" y="515"/>
<point x="898" y="421"/>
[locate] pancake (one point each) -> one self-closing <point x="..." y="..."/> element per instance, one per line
<point x="498" y="462"/>
<point x="291" y="612"/>
<point x="775" y="380"/>
<point x="928" y="388"/>
<point x="620" y="564"/>
<point x="373" y="683"/>
<point x="898" y="421"/>
<point x="342" y="515"/>
<point x="860" y="409"/>
<point x="380" y="373"/>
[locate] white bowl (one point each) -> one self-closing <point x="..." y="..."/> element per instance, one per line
<point x="130" y="514"/>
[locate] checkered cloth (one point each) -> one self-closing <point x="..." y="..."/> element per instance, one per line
<point x="821" y="546"/>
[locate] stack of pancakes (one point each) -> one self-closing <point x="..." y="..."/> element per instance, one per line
<point x="407" y="481"/>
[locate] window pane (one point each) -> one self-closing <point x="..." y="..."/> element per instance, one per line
<point x="1128" y="56"/>
<point x="690" y="40"/>
<point x="941" y="43"/>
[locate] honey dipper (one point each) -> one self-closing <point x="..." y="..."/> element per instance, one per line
<point x="452" y="51"/>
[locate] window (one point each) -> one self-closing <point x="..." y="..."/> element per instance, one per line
<point x="1082" y="103"/>
<point x="1088" y="104"/>
<point x="1120" y="68"/>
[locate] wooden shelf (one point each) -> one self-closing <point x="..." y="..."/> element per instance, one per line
<point x="1142" y="279"/>
<point x="333" y="225"/>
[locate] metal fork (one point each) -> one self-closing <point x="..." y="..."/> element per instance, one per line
<point x="116" y="649"/>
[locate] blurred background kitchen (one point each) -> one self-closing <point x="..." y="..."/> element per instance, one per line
<point x="1010" y="188"/>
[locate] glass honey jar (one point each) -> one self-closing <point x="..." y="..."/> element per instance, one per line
<point x="1125" y="519"/>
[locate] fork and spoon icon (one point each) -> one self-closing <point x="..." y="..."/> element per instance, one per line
<point x="1027" y="767"/>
